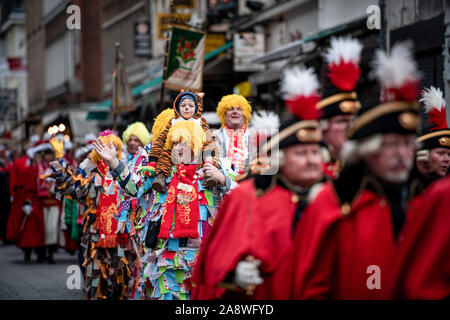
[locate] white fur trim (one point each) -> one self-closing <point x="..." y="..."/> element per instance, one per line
<point x="347" y="49"/>
<point x="299" y="81"/>
<point x="432" y="98"/>
<point x="394" y="70"/>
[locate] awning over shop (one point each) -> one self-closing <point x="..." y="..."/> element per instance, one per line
<point x="294" y="48"/>
<point x="101" y="110"/>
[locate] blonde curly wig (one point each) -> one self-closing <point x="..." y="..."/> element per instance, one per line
<point x="234" y="100"/>
<point x="189" y="132"/>
<point x="139" y="130"/>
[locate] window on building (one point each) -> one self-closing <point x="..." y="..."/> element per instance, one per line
<point x="59" y="62"/>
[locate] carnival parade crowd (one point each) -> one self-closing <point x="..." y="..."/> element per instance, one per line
<point x="343" y="199"/>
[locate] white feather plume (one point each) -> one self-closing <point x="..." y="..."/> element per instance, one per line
<point x="298" y="81"/>
<point x="394" y="70"/>
<point x="347" y="49"/>
<point x="265" y="119"/>
<point x="432" y="98"/>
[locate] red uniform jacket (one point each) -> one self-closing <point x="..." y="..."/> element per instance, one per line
<point x="248" y="225"/>
<point x="421" y="268"/>
<point x="310" y="236"/>
<point x="340" y="259"/>
<point x="33" y="234"/>
<point x="18" y="173"/>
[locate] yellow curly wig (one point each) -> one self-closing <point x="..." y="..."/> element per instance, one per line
<point x="161" y="122"/>
<point x="234" y="100"/>
<point x="188" y="132"/>
<point x="107" y="139"/>
<point x="139" y="130"/>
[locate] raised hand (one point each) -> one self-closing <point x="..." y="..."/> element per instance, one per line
<point x="108" y="153"/>
<point x="58" y="147"/>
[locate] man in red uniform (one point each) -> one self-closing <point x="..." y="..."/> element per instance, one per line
<point x="433" y="155"/>
<point x="26" y="220"/>
<point x="247" y="253"/>
<point x="339" y="101"/>
<point x="17" y="182"/>
<point x="350" y="233"/>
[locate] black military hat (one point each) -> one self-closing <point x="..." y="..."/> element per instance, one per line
<point x="300" y="93"/>
<point x="397" y="110"/>
<point x="339" y="96"/>
<point x="434" y="131"/>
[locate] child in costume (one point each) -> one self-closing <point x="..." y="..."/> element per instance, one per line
<point x="106" y="252"/>
<point x="188" y="106"/>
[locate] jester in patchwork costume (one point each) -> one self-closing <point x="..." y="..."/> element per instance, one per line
<point x="106" y="253"/>
<point x="137" y="139"/>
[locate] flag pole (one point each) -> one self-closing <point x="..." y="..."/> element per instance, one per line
<point x="116" y="84"/>
<point x="161" y="97"/>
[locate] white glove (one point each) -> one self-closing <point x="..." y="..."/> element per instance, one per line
<point x="247" y="273"/>
<point x="27" y="209"/>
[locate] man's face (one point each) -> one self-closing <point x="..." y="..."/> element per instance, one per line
<point x="48" y="157"/>
<point x="302" y="164"/>
<point x="234" y="117"/>
<point x="394" y="160"/>
<point x="181" y="153"/>
<point x="334" y="136"/>
<point x="133" y="144"/>
<point x="439" y="161"/>
<point x="187" y="108"/>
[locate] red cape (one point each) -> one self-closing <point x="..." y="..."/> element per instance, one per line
<point x="421" y="268"/>
<point x="247" y="225"/>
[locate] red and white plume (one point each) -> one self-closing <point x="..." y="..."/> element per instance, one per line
<point x="264" y="119"/>
<point x="299" y="87"/>
<point x="397" y="73"/>
<point x="343" y="58"/>
<point x="434" y="103"/>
